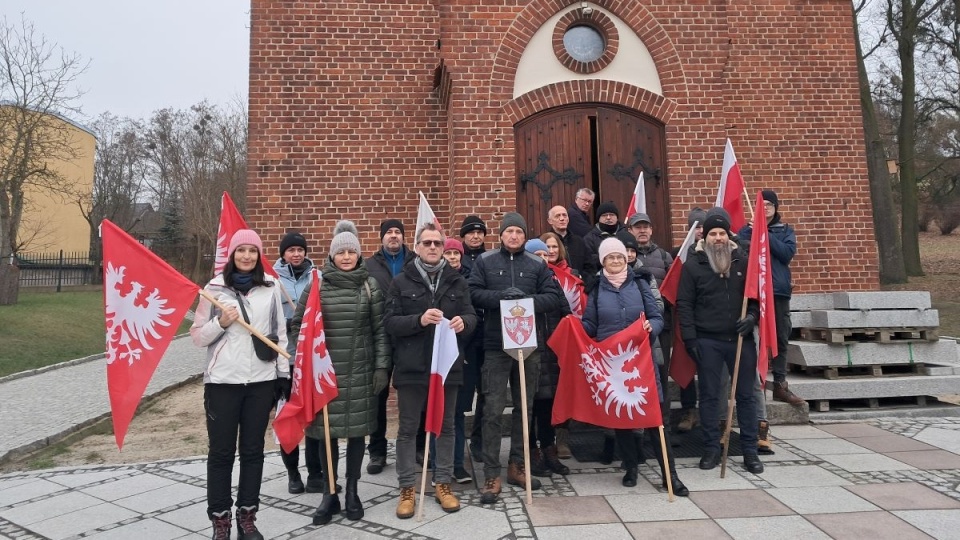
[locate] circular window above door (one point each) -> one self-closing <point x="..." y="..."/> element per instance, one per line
<point x="585" y="40"/>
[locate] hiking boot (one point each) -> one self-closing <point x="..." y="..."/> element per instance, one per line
<point x="763" y="439"/>
<point x="407" y="504"/>
<point x="295" y="483"/>
<point x="630" y="479"/>
<point x="752" y="463"/>
<point x="563" y="446"/>
<point x="781" y="392"/>
<point x="551" y="458"/>
<point x="689" y="421"/>
<point x="491" y="490"/>
<point x="221" y="525"/>
<point x="246" y="528"/>
<point x="537" y="466"/>
<point x="447" y="500"/>
<point x="517" y="476"/>
<point x="461" y="476"/>
<point x="329" y="507"/>
<point x="377" y="463"/>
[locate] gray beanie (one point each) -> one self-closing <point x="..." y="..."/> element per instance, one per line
<point x="344" y="238"/>
<point x="696" y="214"/>
<point x="513" y="219"/>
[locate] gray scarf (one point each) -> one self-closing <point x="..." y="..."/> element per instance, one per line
<point x="430" y="272"/>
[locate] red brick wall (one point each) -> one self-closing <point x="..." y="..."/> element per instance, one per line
<point x="343" y="120"/>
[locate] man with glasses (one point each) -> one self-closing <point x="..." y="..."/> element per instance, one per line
<point x="579" y="212"/>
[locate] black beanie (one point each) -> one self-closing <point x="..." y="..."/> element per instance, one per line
<point x="696" y="214"/>
<point x="771" y="195"/>
<point x="607" y="208"/>
<point x="513" y="219"/>
<point x="628" y="239"/>
<point x="716" y="218"/>
<point x="389" y="224"/>
<point x="290" y="240"/>
<point x="472" y="223"/>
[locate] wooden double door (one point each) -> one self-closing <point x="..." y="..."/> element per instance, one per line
<point x="600" y="147"/>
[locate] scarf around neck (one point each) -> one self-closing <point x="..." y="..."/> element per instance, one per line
<point x="616" y="279"/>
<point x="430" y="272"/>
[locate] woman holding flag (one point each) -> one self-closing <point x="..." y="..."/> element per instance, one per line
<point x="427" y="293"/>
<point x="239" y="386"/>
<point x="618" y="299"/>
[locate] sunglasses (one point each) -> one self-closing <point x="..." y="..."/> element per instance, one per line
<point x="431" y="243"/>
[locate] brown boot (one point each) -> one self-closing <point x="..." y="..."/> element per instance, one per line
<point x="517" y="476"/>
<point x="781" y="392"/>
<point x="563" y="447"/>
<point x="763" y="439"/>
<point x="689" y="421"/>
<point x="537" y="465"/>
<point x="407" y="504"/>
<point x="491" y="490"/>
<point x="448" y="501"/>
<point x="551" y="459"/>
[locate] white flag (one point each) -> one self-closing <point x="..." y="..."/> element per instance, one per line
<point x="425" y="215"/>
<point x="638" y="203"/>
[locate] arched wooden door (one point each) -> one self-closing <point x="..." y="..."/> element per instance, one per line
<point x="601" y="147"/>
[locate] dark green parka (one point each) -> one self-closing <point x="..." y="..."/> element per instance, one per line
<point x="353" y="307"/>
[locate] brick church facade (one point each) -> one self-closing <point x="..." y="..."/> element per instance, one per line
<point x="492" y="106"/>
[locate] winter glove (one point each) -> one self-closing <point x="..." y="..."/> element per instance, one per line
<point x="380" y="380"/>
<point x="693" y="349"/>
<point x="745" y="325"/>
<point x="281" y="389"/>
<point x="512" y="293"/>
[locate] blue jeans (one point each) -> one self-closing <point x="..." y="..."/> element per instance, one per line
<point x="715" y="357"/>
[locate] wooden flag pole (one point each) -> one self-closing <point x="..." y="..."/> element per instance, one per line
<point x="253" y="331"/>
<point x="725" y="438"/>
<point x="288" y="297"/>
<point x="331" y="474"/>
<point x="746" y="199"/>
<point x="526" y="426"/>
<point x="666" y="464"/>
<point x="423" y="478"/>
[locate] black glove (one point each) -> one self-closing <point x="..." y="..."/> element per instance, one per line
<point x="281" y="389"/>
<point x="512" y="293"/>
<point x="380" y="380"/>
<point x="746" y="325"/>
<point x="693" y="349"/>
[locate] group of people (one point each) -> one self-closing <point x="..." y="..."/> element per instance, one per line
<point x="380" y="316"/>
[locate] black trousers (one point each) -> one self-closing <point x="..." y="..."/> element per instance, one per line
<point x="355" y="448"/>
<point x="541" y="427"/>
<point x="781" y="309"/>
<point x="232" y="410"/>
<point x="311" y="456"/>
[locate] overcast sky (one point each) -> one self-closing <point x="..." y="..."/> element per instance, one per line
<point x="146" y="55"/>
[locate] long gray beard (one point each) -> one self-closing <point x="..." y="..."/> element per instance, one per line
<point x="720" y="256"/>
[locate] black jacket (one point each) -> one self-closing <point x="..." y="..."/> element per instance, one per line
<point x="498" y="270"/>
<point x="377" y="266"/>
<point x="709" y="306"/>
<point x="577" y="254"/>
<point x="579" y="221"/>
<point x="408" y="299"/>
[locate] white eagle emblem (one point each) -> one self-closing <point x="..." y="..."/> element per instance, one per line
<point x="132" y="316"/>
<point x="322" y="363"/>
<point x="220" y="260"/>
<point x="519" y="328"/>
<point x="572" y="292"/>
<point x="615" y="379"/>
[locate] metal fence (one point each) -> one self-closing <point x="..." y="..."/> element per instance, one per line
<point x="60" y="269"/>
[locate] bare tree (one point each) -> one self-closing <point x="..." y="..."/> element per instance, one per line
<point x="37" y="87"/>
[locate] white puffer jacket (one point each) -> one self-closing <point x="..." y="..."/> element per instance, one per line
<point x="231" y="358"/>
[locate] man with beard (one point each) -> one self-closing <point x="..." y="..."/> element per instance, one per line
<point x="709" y="304"/>
<point x="559" y="221"/>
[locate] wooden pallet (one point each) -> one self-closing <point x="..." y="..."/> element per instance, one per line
<point x="876" y="335"/>
<point x="825" y="405"/>
<point x="866" y="370"/>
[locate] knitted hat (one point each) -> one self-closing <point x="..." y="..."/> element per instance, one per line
<point x="513" y="219"/>
<point x="292" y="239"/>
<point x="344" y="238"/>
<point x="639" y="217"/>
<point x="717" y="218"/>
<point x="453" y="243"/>
<point x="389" y="224"/>
<point x="607" y="208"/>
<point x="611" y="245"/>
<point x="696" y="214"/>
<point x="534" y="245"/>
<point x="771" y="195"/>
<point x="245" y="237"/>
<point x="628" y="239"/>
<point x="472" y="223"/>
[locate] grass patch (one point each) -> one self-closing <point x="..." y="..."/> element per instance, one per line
<point x="48" y="328"/>
<point x="42" y="463"/>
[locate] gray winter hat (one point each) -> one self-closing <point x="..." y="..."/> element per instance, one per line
<point x="345" y="238"/>
<point x="696" y="214"/>
<point x="513" y="219"/>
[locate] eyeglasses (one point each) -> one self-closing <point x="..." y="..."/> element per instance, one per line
<point x="429" y="243"/>
<point x="615" y="257"/>
<point x="586" y="200"/>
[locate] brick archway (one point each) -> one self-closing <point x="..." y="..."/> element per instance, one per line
<point x="587" y="91"/>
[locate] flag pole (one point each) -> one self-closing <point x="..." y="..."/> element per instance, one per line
<point x="746" y="199"/>
<point x="287" y="295"/>
<point x="331" y="474"/>
<point x="725" y="438"/>
<point x="253" y="331"/>
<point x="423" y="477"/>
<point x="666" y="462"/>
<point x="526" y="426"/>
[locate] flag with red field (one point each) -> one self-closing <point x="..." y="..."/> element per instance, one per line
<point x="730" y="194"/>
<point x="638" y="202"/>
<point x="145" y="300"/>
<point x="445" y="353"/>
<point x="573" y="289"/>
<point x="609" y="384"/>
<point x="230" y="222"/>
<point x="682" y="367"/>
<point x="759" y="286"/>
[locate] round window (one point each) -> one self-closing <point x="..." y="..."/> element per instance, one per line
<point x="583" y="43"/>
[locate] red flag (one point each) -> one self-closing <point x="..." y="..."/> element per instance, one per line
<point x="730" y="194"/>
<point x="671" y="282"/>
<point x="313" y="359"/>
<point x="445" y="353"/>
<point x="230" y="222"/>
<point x="638" y="202"/>
<point x="572" y="288"/>
<point x="145" y="300"/>
<point x="682" y="367"/>
<point x="760" y="287"/>
<point x="609" y="384"/>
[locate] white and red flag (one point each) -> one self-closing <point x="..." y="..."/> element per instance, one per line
<point x="682" y="367"/>
<point x="230" y="222"/>
<point x="425" y="215"/>
<point x="730" y="194"/>
<point x="314" y="383"/>
<point x="145" y="300"/>
<point x="573" y="289"/>
<point x="760" y="287"/>
<point x="638" y="202"/>
<point x="609" y="384"/>
<point x="445" y="353"/>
